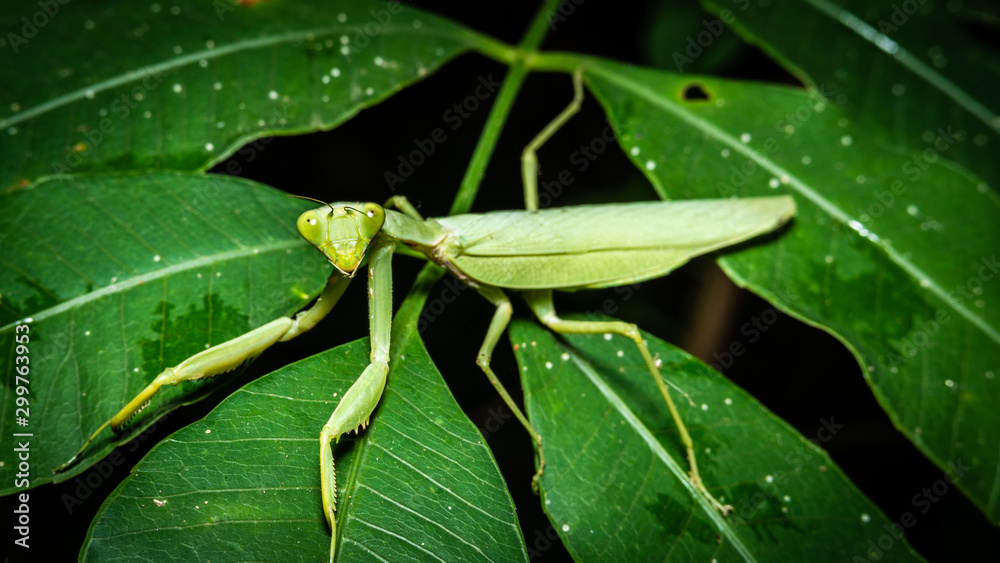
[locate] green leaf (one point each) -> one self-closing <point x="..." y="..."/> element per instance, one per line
<point x="890" y="258"/>
<point x="125" y="275"/>
<point x="182" y="85"/>
<point x="616" y="485"/>
<point x="905" y="71"/>
<point x="242" y="484"/>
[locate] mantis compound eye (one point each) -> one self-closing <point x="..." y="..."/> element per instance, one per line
<point x="376" y="216"/>
<point x="311" y="227"/>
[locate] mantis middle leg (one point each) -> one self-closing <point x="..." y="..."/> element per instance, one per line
<point x="226" y="356"/>
<point x="499" y="323"/>
<point x="540" y="302"/>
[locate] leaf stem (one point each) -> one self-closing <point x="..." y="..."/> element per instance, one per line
<point x="518" y="58"/>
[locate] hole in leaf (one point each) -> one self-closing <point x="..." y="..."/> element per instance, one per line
<point x="694" y="91"/>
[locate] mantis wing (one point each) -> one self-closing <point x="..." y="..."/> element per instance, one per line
<point x="594" y="246"/>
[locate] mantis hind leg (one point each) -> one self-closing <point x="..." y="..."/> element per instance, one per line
<point x="224" y="357"/>
<point x="529" y="160"/>
<point x="540" y="302"/>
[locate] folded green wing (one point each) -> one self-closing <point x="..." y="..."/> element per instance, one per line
<point x="592" y="246"/>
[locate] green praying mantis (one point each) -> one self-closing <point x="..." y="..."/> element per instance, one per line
<point x="532" y="251"/>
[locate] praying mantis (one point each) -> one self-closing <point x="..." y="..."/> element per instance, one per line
<point x="532" y="251"/>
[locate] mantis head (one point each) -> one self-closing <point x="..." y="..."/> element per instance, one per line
<point x="342" y="232"/>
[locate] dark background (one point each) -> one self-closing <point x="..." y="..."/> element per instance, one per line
<point x="801" y="373"/>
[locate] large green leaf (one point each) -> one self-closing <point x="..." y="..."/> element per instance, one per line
<point x="183" y="84"/>
<point x="243" y="483"/>
<point x="119" y="277"/>
<point x="616" y="481"/>
<point x="902" y="71"/>
<point x="904" y="290"/>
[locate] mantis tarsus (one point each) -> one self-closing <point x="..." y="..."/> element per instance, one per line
<point x="532" y="251"/>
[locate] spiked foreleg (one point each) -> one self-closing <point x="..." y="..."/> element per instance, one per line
<point x="356" y="407"/>
<point x="226" y="357"/>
